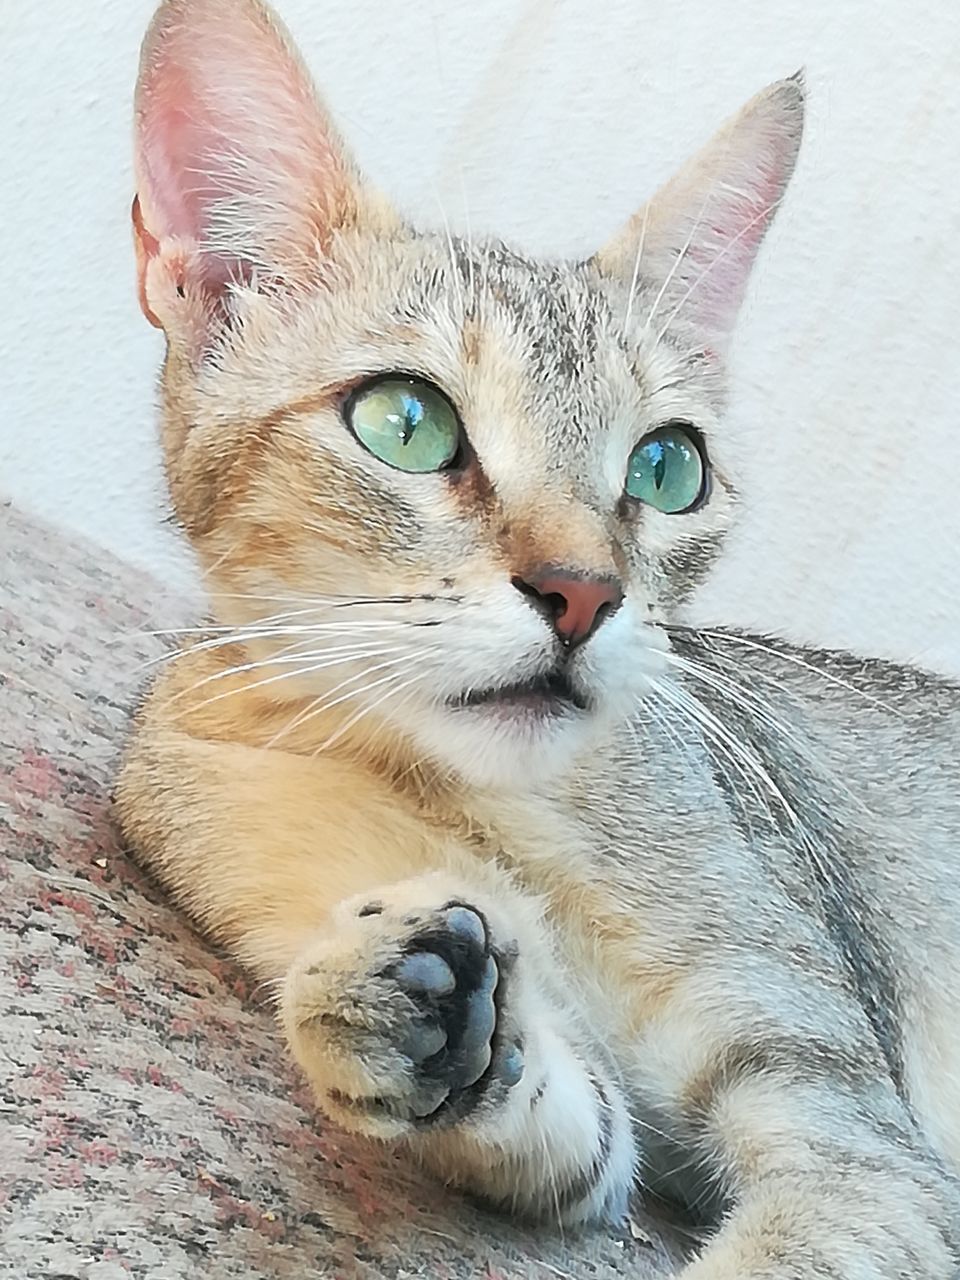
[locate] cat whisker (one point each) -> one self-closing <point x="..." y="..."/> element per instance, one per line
<point x="739" y="784"/>
<point x="245" y="635"/>
<point x="392" y="691"/>
<point x="818" y="853"/>
<point x="747" y="764"/>
<point x="669" y="729"/>
<point x="207" y="571"/>
<point x="680" y="258"/>
<point x="238" y="639"/>
<point x="753" y="642"/>
<point x="322" y="704"/>
<point x="403" y="694"/>
<point x="204" y="629"/>
<point x="285" y="657"/>
<point x="268" y="627"/>
<point x="634" y="279"/>
<point x="684" y="749"/>
<point x="299" y="671"/>
<point x="749" y="702"/>
<point x="340" y="601"/>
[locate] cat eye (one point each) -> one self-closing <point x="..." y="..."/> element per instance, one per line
<point x="405" y="422"/>
<point x="667" y="469"/>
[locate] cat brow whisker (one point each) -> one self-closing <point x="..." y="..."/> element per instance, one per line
<point x="636" y="269"/>
<point x="451" y="249"/>
<point x="728" y="246"/>
<point x="474" y="301"/>
<point x="439" y="68"/>
<point x="680" y="258"/>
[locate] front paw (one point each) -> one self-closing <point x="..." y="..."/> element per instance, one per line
<point x="401" y="1021"/>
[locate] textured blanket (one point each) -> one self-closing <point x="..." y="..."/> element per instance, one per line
<point x="150" y="1124"/>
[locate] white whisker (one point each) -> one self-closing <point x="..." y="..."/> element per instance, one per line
<point x="714" y="262"/>
<point x="365" y="711"/>
<point x="753" y="705"/>
<point x="731" y="637"/>
<point x="323" y="703"/>
<point x="747" y="764"/>
<point x="284" y="657"/>
<point x="299" y="672"/>
<point x="680" y="258"/>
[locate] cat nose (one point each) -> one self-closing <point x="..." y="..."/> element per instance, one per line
<point x="574" y="604"/>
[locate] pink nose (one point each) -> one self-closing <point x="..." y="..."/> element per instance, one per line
<point x="574" y="604"/>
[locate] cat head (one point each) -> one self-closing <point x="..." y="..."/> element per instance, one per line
<point x="437" y="488"/>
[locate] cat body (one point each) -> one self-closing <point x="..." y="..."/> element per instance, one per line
<point x="556" y="890"/>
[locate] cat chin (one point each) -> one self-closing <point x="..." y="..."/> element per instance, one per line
<point x="509" y="752"/>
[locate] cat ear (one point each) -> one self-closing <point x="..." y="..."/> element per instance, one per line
<point x="694" y="243"/>
<point x="239" y="171"/>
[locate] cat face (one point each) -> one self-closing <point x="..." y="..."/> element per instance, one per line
<point x="432" y="482"/>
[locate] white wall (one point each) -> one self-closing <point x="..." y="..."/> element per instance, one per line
<point x="549" y="120"/>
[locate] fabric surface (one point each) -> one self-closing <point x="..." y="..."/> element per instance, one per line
<point x="150" y="1123"/>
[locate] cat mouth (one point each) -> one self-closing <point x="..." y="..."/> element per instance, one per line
<point x="550" y="694"/>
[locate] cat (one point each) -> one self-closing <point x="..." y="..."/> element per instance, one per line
<point x="558" y="892"/>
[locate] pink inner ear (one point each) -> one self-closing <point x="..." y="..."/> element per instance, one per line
<point x="722" y="253"/>
<point x="176" y="136"/>
<point x="177" y="165"/>
<point x="234" y="156"/>
<point x="698" y="237"/>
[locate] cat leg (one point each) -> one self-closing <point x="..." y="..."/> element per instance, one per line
<point x="792" y="1111"/>
<point x="322" y="882"/>
<point x="421" y="1017"/>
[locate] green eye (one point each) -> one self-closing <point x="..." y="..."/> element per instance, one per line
<point x="406" y="423"/>
<point x="666" y="470"/>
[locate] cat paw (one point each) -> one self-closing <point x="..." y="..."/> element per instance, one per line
<point x="402" y="1022"/>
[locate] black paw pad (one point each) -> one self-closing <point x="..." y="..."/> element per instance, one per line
<point x="451" y="973"/>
